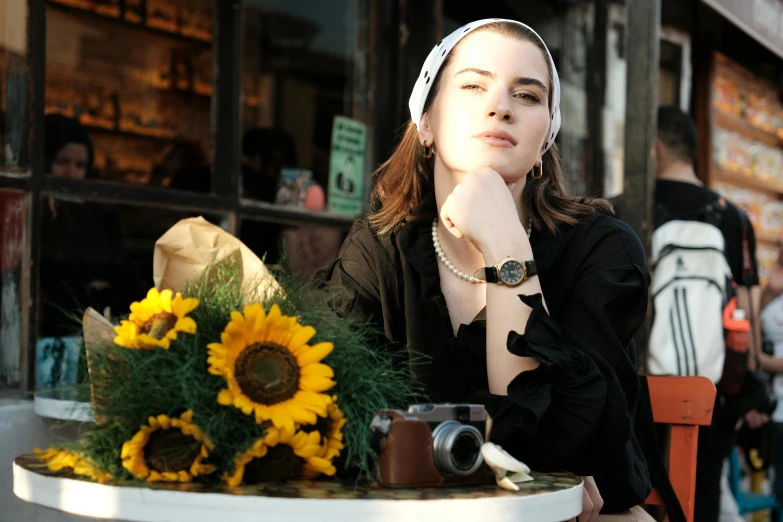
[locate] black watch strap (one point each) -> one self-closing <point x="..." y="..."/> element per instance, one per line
<point x="530" y="268"/>
<point x="491" y="274"/>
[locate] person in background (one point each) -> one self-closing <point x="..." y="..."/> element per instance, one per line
<point x="184" y="167"/>
<point x="772" y="327"/>
<point x="83" y="259"/>
<point x="680" y="192"/>
<point x="68" y="150"/>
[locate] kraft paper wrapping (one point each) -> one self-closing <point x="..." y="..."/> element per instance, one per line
<point x="188" y="248"/>
<point x="98" y="342"/>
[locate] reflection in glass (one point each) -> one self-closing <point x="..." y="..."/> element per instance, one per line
<point x="13" y="222"/>
<point x="138" y="76"/>
<point x="303" y="249"/>
<point x="301" y="67"/>
<point x="14" y="74"/>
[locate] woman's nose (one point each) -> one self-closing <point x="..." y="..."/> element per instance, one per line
<point x="501" y="108"/>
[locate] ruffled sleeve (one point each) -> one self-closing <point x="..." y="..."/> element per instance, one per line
<point x="572" y="412"/>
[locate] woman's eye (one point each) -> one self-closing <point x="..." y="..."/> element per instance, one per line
<point x="528" y="97"/>
<point x="471" y="87"/>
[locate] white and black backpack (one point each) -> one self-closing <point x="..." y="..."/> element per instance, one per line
<point x="691" y="289"/>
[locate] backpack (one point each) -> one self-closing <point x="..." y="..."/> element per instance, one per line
<point x="697" y="329"/>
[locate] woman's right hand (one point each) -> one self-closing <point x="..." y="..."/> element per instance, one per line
<point x="591" y="502"/>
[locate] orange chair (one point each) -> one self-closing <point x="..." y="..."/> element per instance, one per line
<point x="685" y="403"/>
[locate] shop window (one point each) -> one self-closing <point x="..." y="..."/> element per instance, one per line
<point x="304" y="141"/>
<point x="14" y="74"/>
<point x="128" y="91"/>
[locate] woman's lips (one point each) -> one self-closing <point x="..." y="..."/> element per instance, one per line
<point x="497" y="139"/>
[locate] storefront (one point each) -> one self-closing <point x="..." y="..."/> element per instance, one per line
<point x="739" y="113"/>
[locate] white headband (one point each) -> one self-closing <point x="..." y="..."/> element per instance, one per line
<point x="438" y="55"/>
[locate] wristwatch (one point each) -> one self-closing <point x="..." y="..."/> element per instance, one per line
<point x="509" y="272"/>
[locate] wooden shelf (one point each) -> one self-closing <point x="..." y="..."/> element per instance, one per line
<point x="741" y="180"/>
<point x="83" y="13"/>
<point x="134" y="135"/>
<point x="735" y="123"/>
<point x="768" y="237"/>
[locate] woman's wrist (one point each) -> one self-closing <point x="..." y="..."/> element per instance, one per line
<point x="510" y="243"/>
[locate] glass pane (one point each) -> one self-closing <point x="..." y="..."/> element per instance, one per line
<point x="131" y="84"/>
<point x="13" y="220"/>
<point x="14" y="74"/>
<point x="302" y="71"/>
<point x="670" y="73"/>
<point x="304" y="249"/>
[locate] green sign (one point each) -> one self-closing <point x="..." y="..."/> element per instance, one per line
<point x="346" y="166"/>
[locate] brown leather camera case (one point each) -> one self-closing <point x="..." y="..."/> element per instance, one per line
<point x="407" y="458"/>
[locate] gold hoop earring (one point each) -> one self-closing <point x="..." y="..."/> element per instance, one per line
<point x="428" y="151"/>
<point x="540" y="170"/>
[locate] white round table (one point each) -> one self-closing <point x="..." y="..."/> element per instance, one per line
<point x="553" y="497"/>
<point x="70" y="403"/>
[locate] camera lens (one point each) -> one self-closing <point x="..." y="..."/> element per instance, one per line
<point x="457" y="448"/>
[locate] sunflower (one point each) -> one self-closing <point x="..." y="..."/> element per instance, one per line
<point x="167" y="449"/>
<point x="155" y="321"/>
<point x="330" y="428"/>
<point x="280" y="455"/>
<point x="270" y="369"/>
<point x="57" y="459"/>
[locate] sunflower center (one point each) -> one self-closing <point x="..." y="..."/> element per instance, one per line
<point x="159" y="324"/>
<point x="267" y="373"/>
<point x="280" y="463"/>
<point x="171" y="450"/>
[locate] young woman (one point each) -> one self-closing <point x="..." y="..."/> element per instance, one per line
<point x="522" y="298"/>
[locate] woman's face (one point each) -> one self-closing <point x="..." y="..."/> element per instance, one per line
<point x="71" y="161"/>
<point x="492" y="107"/>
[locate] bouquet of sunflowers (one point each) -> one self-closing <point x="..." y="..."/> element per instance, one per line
<point x="225" y="375"/>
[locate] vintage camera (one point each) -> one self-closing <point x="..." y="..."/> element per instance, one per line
<point x="431" y="445"/>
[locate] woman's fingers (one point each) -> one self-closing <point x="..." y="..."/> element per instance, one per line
<point x="591" y="509"/>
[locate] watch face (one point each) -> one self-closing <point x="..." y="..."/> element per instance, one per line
<point x="512" y="272"/>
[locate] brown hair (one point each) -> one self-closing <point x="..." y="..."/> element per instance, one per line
<point x="402" y="180"/>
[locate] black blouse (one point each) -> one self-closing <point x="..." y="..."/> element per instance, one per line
<point x="576" y="410"/>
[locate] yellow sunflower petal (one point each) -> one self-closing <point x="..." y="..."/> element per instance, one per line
<point x="182" y="307"/>
<point x="165" y="300"/>
<point x="301" y="337"/>
<point x="186" y="325"/>
<point x="315" y="354"/>
<point x="237" y="319"/>
<point x="225" y="398"/>
<point x="274" y="314"/>
<point x="281" y="420"/>
<point x="315" y="383"/>
<point x="322" y="465"/>
<point x="317" y="370"/>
